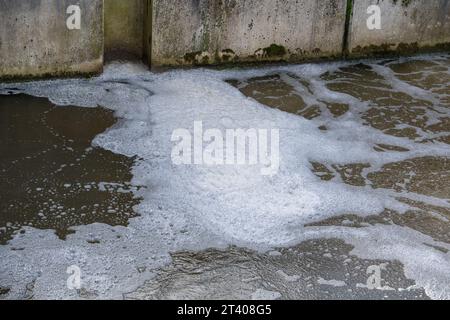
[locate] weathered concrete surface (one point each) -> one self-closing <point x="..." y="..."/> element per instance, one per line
<point x="124" y="25"/>
<point x="208" y="32"/>
<point x="35" y="42"/>
<point x="407" y="26"/>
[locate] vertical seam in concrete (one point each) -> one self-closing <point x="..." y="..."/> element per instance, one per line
<point x="150" y="38"/>
<point x="144" y="34"/>
<point x="348" y="22"/>
<point x="313" y="30"/>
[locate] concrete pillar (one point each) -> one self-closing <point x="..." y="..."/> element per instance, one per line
<point x="35" y="40"/>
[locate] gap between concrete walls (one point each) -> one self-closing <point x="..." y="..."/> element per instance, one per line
<point x="348" y="21"/>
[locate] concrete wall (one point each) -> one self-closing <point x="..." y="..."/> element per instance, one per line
<point x="219" y="31"/>
<point x="35" y="42"/>
<point x="124" y="28"/>
<point x="408" y="26"/>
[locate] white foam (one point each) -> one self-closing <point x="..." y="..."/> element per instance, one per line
<point x="200" y="206"/>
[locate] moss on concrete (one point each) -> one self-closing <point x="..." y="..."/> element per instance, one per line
<point x="372" y="49"/>
<point x="226" y="55"/>
<point x="348" y="19"/>
<point x="70" y="54"/>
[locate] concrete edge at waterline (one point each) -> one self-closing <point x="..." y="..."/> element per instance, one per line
<point x="36" y="43"/>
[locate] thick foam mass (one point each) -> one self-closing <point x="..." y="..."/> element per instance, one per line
<point x="201" y="206"/>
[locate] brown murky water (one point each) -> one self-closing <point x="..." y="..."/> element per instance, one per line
<point x="50" y="176"/>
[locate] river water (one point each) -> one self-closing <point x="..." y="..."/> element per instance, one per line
<point x="87" y="180"/>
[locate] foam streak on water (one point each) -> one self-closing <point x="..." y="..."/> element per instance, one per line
<point x="196" y="207"/>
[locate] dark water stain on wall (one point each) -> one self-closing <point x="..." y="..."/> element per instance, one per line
<point x="50" y="176"/>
